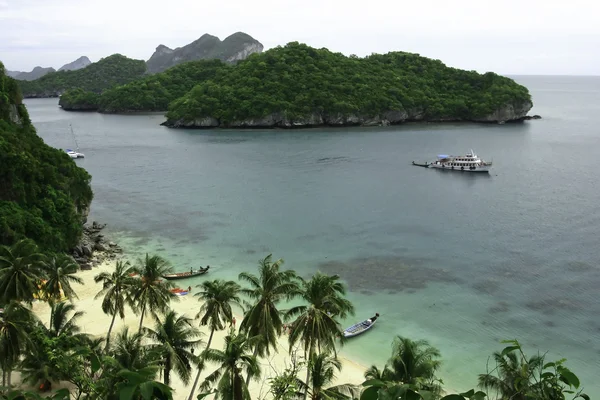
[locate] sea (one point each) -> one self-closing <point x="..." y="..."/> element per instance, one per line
<point x="460" y="260"/>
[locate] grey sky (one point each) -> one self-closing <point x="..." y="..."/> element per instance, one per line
<point x="508" y="37"/>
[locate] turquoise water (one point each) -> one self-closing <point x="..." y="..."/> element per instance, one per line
<point x="461" y="260"/>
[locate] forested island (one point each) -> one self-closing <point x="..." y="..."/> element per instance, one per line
<point x="44" y="195"/>
<point x="96" y="77"/>
<point x="299" y="86"/>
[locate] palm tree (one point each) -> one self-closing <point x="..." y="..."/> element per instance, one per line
<point x="20" y="271"/>
<point x="323" y="369"/>
<point x="175" y="336"/>
<point x="116" y="288"/>
<point x="151" y="293"/>
<point x="129" y="353"/>
<point x="15" y="321"/>
<point x="263" y="319"/>
<point x="515" y="375"/>
<point x="233" y="361"/>
<point x="414" y="362"/>
<point x="316" y="326"/>
<point x="60" y="272"/>
<point x="217" y="296"/>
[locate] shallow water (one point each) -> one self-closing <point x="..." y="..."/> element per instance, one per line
<point x="461" y="260"/>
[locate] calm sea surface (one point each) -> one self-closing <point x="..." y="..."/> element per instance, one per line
<point x="461" y="260"/>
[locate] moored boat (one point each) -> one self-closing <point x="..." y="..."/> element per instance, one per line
<point x="467" y="163"/>
<point x="184" y="275"/>
<point x="361" y="327"/>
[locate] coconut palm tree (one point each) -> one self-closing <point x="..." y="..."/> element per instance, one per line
<point x="61" y="323"/>
<point x="217" y="296"/>
<point x="516" y="375"/>
<point x="20" y="271"/>
<point x="60" y="273"/>
<point x="316" y="326"/>
<point x="175" y="336"/>
<point x="129" y="352"/>
<point x="151" y="293"/>
<point x="15" y="321"/>
<point x="414" y="362"/>
<point x="232" y="361"/>
<point x="263" y="319"/>
<point x="116" y="288"/>
<point x="323" y="369"/>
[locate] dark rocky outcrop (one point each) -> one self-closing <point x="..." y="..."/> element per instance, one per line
<point x="235" y="47"/>
<point x="94" y="247"/>
<point x="80" y="63"/>
<point x="508" y="113"/>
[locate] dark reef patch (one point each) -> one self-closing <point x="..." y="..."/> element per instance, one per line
<point x="391" y="274"/>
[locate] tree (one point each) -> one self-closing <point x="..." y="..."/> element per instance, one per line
<point x="151" y="292"/>
<point x="263" y="319"/>
<point x="61" y="323"/>
<point x="413" y="362"/>
<point x="217" y="296"/>
<point x="20" y="271"/>
<point x="323" y="369"/>
<point x="60" y="273"/>
<point x="315" y="325"/>
<point x="15" y="322"/>
<point x="116" y="288"/>
<point x="233" y="360"/>
<point x="175" y="338"/>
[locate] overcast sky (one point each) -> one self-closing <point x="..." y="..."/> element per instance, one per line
<point x="508" y="37"/>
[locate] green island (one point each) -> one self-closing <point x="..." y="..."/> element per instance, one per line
<point x="43" y="194"/>
<point x="96" y="77"/>
<point x="172" y="347"/>
<point x="299" y="86"/>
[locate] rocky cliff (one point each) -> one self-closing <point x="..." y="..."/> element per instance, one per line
<point x="234" y="48"/>
<point x="80" y="63"/>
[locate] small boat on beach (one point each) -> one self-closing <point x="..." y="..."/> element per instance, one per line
<point x="467" y="163"/>
<point x="179" y="291"/>
<point x="184" y="275"/>
<point x="361" y="327"/>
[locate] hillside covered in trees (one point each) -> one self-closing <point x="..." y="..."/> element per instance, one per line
<point x="108" y="72"/>
<point x="151" y="93"/>
<point x="42" y="191"/>
<point x="298" y="85"/>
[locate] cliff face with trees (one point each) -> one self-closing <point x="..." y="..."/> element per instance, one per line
<point x="96" y="77"/>
<point x="43" y="193"/>
<point x="300" y="86"/>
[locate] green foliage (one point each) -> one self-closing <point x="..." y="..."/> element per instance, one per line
<point x="155" y="92"/>
<point x="298" y="81"/>
<point x="79" y="99"/>
<point x="42" y="190"/>
<point x="113" y="70"/>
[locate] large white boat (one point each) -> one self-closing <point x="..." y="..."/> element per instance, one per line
<point x="467" y="163"/>
<point x="71" y="153"/>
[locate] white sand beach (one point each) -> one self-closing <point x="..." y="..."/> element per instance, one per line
<point x="95" y="322"/>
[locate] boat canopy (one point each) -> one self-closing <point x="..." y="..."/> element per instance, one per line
<point x="443" y="156"/>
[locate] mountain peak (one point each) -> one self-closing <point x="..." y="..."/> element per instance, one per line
<point x="80" y="63"/>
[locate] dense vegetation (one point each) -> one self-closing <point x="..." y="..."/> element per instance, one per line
<point x="154" y="92"/>
<point x="298" y="82"/>
<point x="79" y="99"/>
<point x="42" y="190"/>
<point x="127" y="366"/>
<point x="96" y="77"/>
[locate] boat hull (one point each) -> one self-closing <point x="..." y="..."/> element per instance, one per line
<point x="361" y="328"/>
<point x="184" y="275"/>
<point x="484" y="169"/>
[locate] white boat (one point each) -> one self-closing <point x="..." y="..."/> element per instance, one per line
<point x="467" y="163"/>
<point x="361" y="327"/>
<point x="74" y="154"/>
<point x="71" y="153"/>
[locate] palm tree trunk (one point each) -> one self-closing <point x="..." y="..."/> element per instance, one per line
<point x="167" y="369"/>
<point x="200" y="367"/>
<point x="248" y="377"/>
<point x="8" y="376"/>
<point x="3" y="377"/>
<point x="142" y="318"/>
<point x="109" y="330"/>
